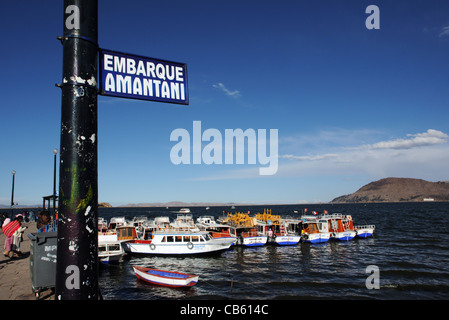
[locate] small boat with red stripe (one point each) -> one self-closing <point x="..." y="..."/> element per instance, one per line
<point x="165" y="278"/>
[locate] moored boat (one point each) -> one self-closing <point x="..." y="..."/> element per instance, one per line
<point x="217" y="230"/>
<point x="109" y="248"/>
<point x="245" y="229"/>
<point x="365" y="231"/>
<point x="314" y="230"/>
<point x="275" y="229"/>
<point x="165" y="278"/>
<point x="340" y="226"/>
<point x="177" y="243"/>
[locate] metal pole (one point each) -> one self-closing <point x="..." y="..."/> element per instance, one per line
<point x="77" y="257"/>
<point x="12" y="191"/>
<point x="55" y="151"/>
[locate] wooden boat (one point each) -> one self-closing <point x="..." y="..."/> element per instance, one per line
<point x="165" y="278"/>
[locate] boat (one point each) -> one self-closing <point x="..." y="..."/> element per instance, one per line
<point x="117" y="222"/>
<point x="340" y="226"/>
<point x="184" y="210"/>
<point x="217" y="230"/>
<point x="110" y="250"/>
<point x="275" y="229"/>
<point x="244" y="227"/>
<point x="175" y="242"/>
<point x="165" y="278"/>
<point x="364" y="231"/>
<point x="314" y="230"/>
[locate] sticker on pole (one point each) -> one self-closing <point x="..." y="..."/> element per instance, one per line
<point x="134" y="77"/>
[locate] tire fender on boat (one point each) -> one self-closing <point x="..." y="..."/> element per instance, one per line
<point x="152" y="246"/>
<point x="189" y="245"/>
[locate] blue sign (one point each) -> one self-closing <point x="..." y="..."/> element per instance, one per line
<point x="129" y="76"/>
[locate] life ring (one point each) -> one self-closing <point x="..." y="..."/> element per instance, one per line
<point x="349" y="218"/>
<point x="189" y="245"/>
<point x="152" y="246"/>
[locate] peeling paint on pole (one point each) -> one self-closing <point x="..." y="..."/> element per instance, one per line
<point x="77" y="255"/>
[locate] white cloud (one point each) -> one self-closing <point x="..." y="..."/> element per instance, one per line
<point x="428" y="138"/>
<point x="422" y="155"/>
<point x="310" y="158"/>
<point x="444" y="31"/>
<point x="222" y="87"/>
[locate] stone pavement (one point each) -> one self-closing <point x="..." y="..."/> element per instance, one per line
<point x="15" y="279"/>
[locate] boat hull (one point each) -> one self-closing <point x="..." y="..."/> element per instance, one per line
<point x="255" y="241"/>
<point x="149" y="247"/>
<point x="365" y="233"/>
<point x="165" y="278"/>
<point x="343" y="236"/>
<point x="287" y="240"/>
<point x="316" y="237"/>
<point x="111" y="258"/>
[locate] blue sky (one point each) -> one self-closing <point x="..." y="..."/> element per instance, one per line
<point x="351" y="105"/>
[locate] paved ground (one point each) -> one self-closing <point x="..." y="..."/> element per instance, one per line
<point x="15" y="280"/>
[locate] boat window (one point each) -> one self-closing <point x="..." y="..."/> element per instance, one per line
<point x="178" y="238"/>
<point x="102" y="249"/>
<point x="208" y="236"/>
<point x="195" y="239"/>
<point x="130" y="232"/>
<point x="170" y="239"/>
<point x="114" y="247"/>
<point x="186" y="239"/>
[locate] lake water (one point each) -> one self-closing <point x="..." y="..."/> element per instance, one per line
<point x="409" y="248"/>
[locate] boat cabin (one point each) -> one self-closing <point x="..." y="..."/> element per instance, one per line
<point x="126" y="233"/>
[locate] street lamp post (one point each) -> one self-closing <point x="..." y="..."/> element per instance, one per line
<point x="12" y="192"/>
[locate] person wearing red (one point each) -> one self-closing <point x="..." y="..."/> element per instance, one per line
<point x="9" y="230"/>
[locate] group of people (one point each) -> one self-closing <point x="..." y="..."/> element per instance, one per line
<point x="13" y="230"/>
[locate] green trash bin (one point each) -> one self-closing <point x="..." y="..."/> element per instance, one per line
<point x="43" y="261"/>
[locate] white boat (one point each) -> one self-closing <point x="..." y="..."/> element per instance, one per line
<point x="364" y="231"/>
<point x="249" y="237"/>
<point x="184" y="222"/>
<point x="217" y="230"/>
<point x="109" y="248"/>
<point x="165" y="278"/>
<point x="340" y="226"/>
<point x="177" y="243"/>
<point x="314" y="230"/>
<point x="184" y="210"/>
<point x="276" y="229"/>
<point x="116" y="222"/>
<point x="244" y="227"/>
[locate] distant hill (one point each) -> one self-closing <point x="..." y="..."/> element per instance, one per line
<point x="397" y="190"/>
<point x="178" y="204"/>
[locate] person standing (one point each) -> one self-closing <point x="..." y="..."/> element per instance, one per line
<point x="9" y="231"/>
